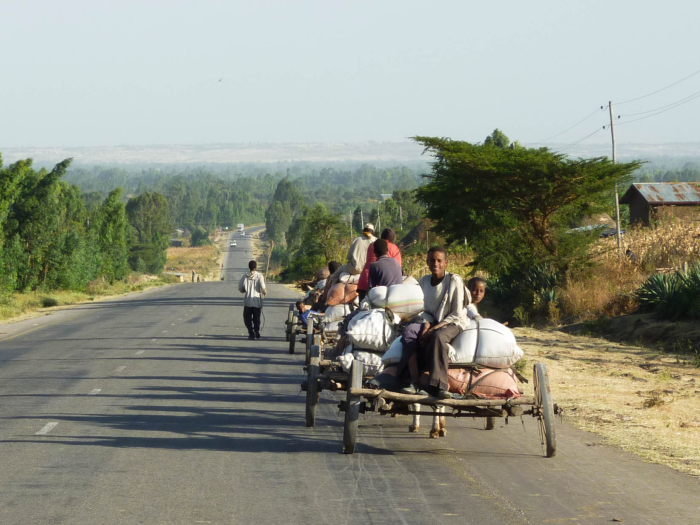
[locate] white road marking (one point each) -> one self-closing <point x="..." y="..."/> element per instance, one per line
<point x="48" y="427"/>
<point x="120" y="369"/>
<point x="153" y="340"/>
<point x="140" y="352"/>
<point x="94" y="391"/>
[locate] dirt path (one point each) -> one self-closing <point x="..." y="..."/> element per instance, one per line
<point x="636" y="398"/>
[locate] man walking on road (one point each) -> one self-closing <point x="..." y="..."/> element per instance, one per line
<point x="252" y="285"/>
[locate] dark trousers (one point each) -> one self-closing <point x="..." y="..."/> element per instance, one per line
<point x="251" y="318"/>
<point x="433" y="357"/>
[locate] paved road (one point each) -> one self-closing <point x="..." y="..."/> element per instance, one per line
<point x="156" y="409"/>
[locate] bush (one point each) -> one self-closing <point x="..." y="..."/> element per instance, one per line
<point x="48" y="302"/>
<point x="672" y="295"/>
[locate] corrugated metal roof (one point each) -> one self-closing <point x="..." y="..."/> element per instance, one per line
<point x="666" y="193"/>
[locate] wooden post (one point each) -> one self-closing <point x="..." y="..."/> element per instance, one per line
<point x="617" y="197"/>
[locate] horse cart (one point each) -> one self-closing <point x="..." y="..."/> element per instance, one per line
<point x="323" y="374"/>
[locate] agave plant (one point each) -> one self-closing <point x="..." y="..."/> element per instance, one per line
<point x="658" y="292"/>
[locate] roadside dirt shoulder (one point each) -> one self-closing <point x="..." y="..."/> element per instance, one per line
<point x="636" y="398"/>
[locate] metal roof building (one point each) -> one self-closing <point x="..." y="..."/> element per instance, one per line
<point x="646" y="199"/>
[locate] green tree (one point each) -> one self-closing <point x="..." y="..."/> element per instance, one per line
<point x="288" y="191"/>
<point x="516" y="205"/>
<point x="112" y="236"/>
<point x="149" y="215"/>
<point x="498" y="139"/>
<point x="278" y="219"/>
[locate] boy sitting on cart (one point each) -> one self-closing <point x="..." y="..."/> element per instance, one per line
<point x="304" y="312"/>
<point x="425" y="341"/>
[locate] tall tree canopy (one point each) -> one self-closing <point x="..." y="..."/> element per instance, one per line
<point x="515" y="205"/>
<point x="149" y="216"/>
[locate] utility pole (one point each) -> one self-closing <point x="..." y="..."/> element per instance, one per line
<point x="362" y="220"/>
<point x="400" y="219"/>
<point x="379" y="220"/>
<point x="617" y="197"/>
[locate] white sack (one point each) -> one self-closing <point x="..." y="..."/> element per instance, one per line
<point x="354" y="279"/>
<point x="371" y="363"/>
<point x="332" y="327"/>
<point x="377" y="296"/>
<point x="393" y="355"/>
<point x="336" y="313"/>
<point x="344" y="278"/>
<point x="371" y="330"/>
<point x="405" y="300"/>
<point x="409" y="280"/>
<point x="497" y="346"/>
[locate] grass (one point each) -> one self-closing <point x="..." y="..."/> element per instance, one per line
<point x="204" y="260"/>
<point x="609" y="287"/>
<point x="21" y="304"/>
<point x="637" y="398"/>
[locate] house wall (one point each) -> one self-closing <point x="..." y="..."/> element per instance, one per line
<point x="685" y="213"/>
<point x="639" y="211"/>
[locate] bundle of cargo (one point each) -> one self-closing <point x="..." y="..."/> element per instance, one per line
<point x="341" y="293"/>
<point x="347" y="278"/>
<point x="404" y="300"/>
<point x="481" y="358"/>
<point x="368" y="335"/>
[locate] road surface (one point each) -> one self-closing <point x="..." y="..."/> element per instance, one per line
<point x="157" y="409"/>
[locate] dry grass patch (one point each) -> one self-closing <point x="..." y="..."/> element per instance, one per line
<point x="643" y="401"/>
<point x="203" y="259"/>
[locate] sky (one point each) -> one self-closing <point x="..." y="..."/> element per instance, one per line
<point x="86" y="73"/>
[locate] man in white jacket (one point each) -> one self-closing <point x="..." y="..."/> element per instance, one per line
<point x="252" y="285"/>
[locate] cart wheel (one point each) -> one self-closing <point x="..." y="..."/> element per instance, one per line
<point x="545" y="418"/>
<point x="293" y="335"/>
<point x="290" y="319"/>
<point x="312" y="387"/>
<point x="490" y="423"/>
<point x="352" y="409"/>
<point x="309" y="337"/>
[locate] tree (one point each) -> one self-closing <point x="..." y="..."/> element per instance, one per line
<point x="278" y="218"/>
<point x="287" y="191"/>
<point x="498" y="139"/>
<point x="357" y="219"/>
<point x="149" y="215"/>
<point x="112" y="237"/>
<point x="516" y="205"/>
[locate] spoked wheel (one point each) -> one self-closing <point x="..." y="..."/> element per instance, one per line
<point x="490" y="423"/>
<point x="309" y="337"/>
<point x="312" y="394"/>
<point x="293" y="335"/>
<point x="290" y="318"/>
<point x="352" y="409"/>
<point x="545" y="409"/>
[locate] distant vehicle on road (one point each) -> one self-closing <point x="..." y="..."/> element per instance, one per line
<point x="241" y="227"/>
<point x="242" y="233"/>
<point x="233" y="244"/>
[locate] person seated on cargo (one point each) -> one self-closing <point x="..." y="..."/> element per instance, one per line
<point x="389" y="236"/>
<point x="386" y="271"/>
<point x="444" y="316"/>
<point x="477" y="291"/>
<point x="304" y="311"/>
<point x="357" y="254"/>
<point x="334" y="271"/>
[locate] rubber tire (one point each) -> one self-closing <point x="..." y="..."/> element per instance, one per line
<point x="309" y="338"/>
<point x="543" y="398"/>
<point x="490" y="423"/>
<point x="352" y="409"/>
<point x="293" y="336"/>
<point x="312" y="387"/>
<point x="290" y="319"/>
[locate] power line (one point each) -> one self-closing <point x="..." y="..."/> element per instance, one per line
<point x="659" y="90"/>
<point x="689" y="97"/>
<point x="568" y="129"/>
<point x="672" y="106"/>
<point x="579" y="141"/>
